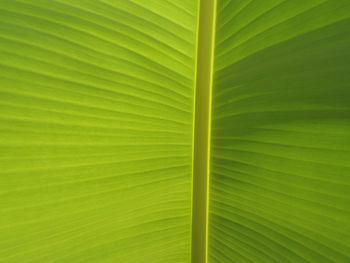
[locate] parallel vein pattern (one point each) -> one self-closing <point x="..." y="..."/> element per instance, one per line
<point x="280" y="168"/>
<point x="96" y="102"/>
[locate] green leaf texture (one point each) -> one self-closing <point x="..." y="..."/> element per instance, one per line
<point x="280" y="167"/>
<point x="96" y="122"/>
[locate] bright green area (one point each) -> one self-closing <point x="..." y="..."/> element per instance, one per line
<point x="202" y="128"/>
<point x="280" y="180"/>
<point x="96" y="115"/>
<point x="101" y="158"/>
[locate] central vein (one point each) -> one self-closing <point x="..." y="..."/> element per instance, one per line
<point x="202" y="130"/>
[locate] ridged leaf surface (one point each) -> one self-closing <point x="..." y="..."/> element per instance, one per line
<point x="280" y="167"/>
<point x="96" y="131"/>
<point x="96" y="102"/>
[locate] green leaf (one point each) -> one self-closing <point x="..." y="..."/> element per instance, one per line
<point x="96" y="130"/>
<point x="280" y="184"/>
<point x="174" y="131"/>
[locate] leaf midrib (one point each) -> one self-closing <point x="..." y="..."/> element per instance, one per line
<point x="202" y="129"/>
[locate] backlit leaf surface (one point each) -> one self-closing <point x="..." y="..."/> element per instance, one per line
<point x="96" y="130"/>
<point x="280" y="167"/>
